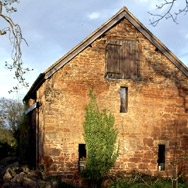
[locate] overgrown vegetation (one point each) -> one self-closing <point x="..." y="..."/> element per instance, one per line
<point x="145" y="181"/>
<point x="13" y="130"/>
<point x="8" y="144"/>
<point x="65" y="185"/>
<point x="60" y="183"/>
<point x="22" y="137"/>
<point x="100" y="138"/>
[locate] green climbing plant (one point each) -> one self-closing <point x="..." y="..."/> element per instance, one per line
<point x="100" y="137"/>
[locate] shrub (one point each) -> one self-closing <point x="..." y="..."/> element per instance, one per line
<point x="100" y="138"/>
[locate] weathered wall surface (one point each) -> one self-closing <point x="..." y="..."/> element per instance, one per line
<point x="157" y="108"/>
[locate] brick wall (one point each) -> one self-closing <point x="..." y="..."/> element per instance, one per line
<point x="157" y="109"/>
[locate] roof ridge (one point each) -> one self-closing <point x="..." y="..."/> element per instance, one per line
<point x="84" y="40"/>
<point x="122" y="13"/>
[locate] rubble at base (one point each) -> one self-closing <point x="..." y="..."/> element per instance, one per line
<point x="15" y="176"/>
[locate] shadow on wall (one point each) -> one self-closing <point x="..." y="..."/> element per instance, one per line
<point x="179" y="129"/>
<point x="165" y="73"/>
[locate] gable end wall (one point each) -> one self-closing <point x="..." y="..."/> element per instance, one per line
<point x="157" y="109"/>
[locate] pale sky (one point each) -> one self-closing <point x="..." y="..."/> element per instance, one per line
<point x="52" y="28"/>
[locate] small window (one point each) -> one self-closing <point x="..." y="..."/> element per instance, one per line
<point x="123" y="99"/>
<point x="82" y="156"/>
<point x="161" y="157"/>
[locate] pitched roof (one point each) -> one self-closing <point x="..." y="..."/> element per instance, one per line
<point x="123" y="13"/>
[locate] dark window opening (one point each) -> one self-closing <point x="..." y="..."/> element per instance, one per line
<point x="123" y="99"/>
<point x="122" y="59"/>
<point x="161" y="157"/>
<point x="82" y="152"/>
<point x="82" y="156"/>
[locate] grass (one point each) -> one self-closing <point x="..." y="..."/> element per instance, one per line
<point x="145" y="182"/>
<point x="136" y="181"/>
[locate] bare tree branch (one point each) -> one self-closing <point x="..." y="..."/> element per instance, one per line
<point x="15" y="38"/>
<point x="11" y="112"/>
<point x="169" y="13"/>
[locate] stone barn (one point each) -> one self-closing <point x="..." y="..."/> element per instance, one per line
<point x="136" y="78"/>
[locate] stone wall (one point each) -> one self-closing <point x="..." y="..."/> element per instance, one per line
<point x="157" y="109"/>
